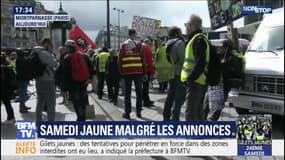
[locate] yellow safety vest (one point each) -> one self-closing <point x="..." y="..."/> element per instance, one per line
<point x="164" y="69"/>
<point x="102" y="61"/>
<point x="247" y="132"/>
<point x="13" y="64"/>
<point x="153" y="46"/>
<point x="189" y="62"/>
<point x="241" y="56"/>
<point x="260" y="138"/>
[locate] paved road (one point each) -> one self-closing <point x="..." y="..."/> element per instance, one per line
<point x="108" y="112"/>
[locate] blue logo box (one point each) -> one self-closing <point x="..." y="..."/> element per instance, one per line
<point x="256" y="9"/>
<point x="26" y="130"/>
<point x="23" y="9"/>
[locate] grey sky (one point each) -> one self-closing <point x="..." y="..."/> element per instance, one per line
<point x="91" y="15"/>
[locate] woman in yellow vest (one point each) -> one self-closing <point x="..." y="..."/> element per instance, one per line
<point x="196" y="60"/>
<point x="162" y="68"/>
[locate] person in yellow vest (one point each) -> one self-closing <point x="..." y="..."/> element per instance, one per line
<point x="162" y="67"/>
<point x="197" y="55"/>
<point x="13" y="57"/>
<point x="100" y="63"/>
<point x="176" y="93"/>
<point x="248" y="132"/>
<point x="260" y="137"/>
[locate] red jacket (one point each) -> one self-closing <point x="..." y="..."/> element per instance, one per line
<point x="149" y="58"/>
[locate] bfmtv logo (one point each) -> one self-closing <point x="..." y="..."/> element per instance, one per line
<point x="26" y="130"/>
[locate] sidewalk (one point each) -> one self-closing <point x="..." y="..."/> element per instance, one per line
<point x="63" y="113"/>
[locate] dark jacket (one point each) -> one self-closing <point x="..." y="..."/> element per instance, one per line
<point x="112" y="66"/>
<point x="199" y="49"/>
<point x="233" y="66"/>
<point x="8" y="81"/>
<point x="20" y="64"/>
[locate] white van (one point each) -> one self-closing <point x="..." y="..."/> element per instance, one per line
<point x="264" y="83"/>
<point x="243" y="43"/>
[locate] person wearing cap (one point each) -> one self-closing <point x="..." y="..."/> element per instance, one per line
<point x="132" y="67"/>
<point x="45" y="84"/>
<point x="147" y="51"/>
<point x="77" y="89"/>
<point x="113" y="76"/>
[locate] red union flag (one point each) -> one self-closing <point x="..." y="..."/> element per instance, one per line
<point x="84" y="43"/>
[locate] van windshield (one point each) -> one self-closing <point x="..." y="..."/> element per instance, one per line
<point x="268" y="39"/>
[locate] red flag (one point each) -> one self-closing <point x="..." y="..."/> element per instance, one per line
<point x="84" y="43"/>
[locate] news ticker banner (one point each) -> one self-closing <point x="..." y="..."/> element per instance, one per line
<point x="119" y="147"/>
<point x="203" y="136"/>
<point x="126" y="129"/>
<point x="24" y="17"/>
<point x="128" y="147"/>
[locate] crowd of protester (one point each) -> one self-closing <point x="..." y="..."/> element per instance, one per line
<point x="179" y="64"/>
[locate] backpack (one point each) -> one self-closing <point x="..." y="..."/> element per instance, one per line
<point x="168" y="49"/>
<point x="34" y="68"/>
<point x="79" y="69"/>
<point x="214" y="69"/>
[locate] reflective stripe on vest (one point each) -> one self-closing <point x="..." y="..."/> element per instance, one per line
<point x="102" y="61"/>
<point x="189" y="62"/>
<point x="165" y="70"/>
<point x="132" y="64"/>
<point x="131" y="58"/>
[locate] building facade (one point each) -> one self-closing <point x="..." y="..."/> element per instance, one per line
<point x="115" y="41"/>
<point x="26" y="38"/>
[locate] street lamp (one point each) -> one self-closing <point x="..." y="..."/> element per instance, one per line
<point x="108" y="25"/>
<point x="119" y="33"/>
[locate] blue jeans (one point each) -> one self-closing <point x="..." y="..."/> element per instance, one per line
<point x="23" y="96"/>
<point x="138" y="79"/>
<point x="175" y="99"/>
